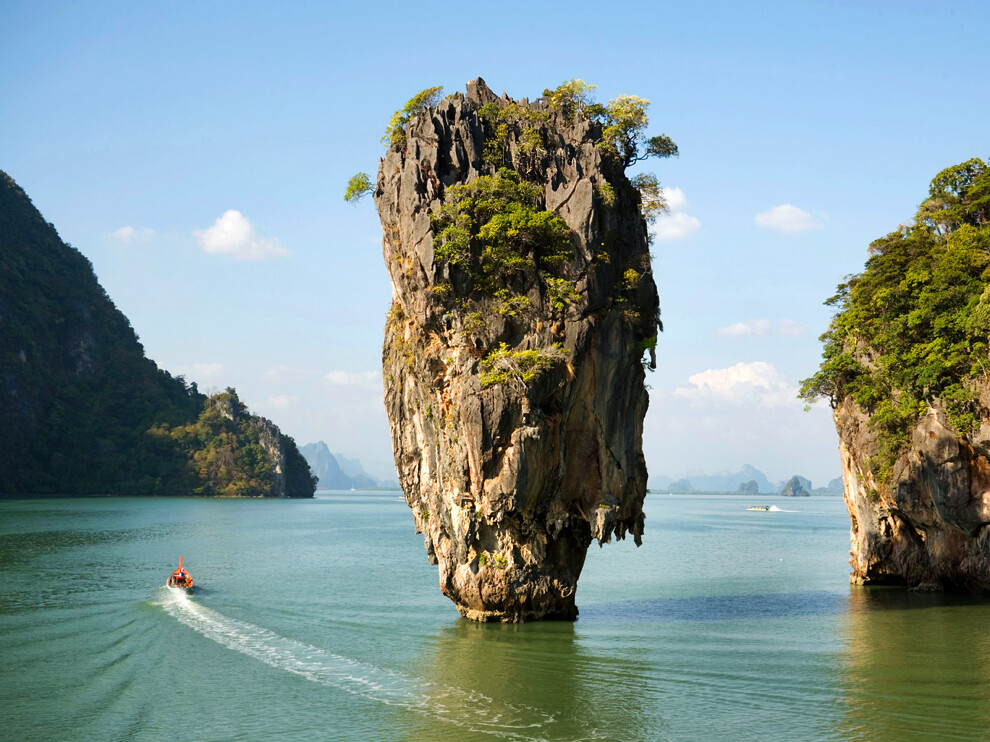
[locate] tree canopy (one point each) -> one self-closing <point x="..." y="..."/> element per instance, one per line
<point x="914" y="326"/>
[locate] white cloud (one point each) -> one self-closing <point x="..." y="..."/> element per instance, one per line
<point x="675" y="198"/>
<point x="756" y="383"/>
<point x="366" y="379"/>
<point x="208" y="370"/>
<point x="760" y="327"/>
<point x="202" y="373"/>
<point x="232" y="234"/>
<point x="284" y="375"/>
<point x="674" y="224"/>
<point x="787" y="218"/>
<point x="791" y="328"/>
<point x="751" y="327"/>
<point x="130" y="235"/>
<point x="281" y="401"/>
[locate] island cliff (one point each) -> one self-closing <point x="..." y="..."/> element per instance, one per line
<point x="906" y="371"/>
<point x="513" y="363"/>
<point x="85" y="412"/>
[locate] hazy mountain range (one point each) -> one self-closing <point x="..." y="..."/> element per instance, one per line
<point x="337" y="472"/>
<point x="742" y="480"/>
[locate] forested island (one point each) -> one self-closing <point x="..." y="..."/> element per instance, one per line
<point x="907" y="372"/>
<point x="86" y="413"/>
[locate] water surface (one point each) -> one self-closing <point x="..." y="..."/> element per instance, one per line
<point x="321" y="620"/>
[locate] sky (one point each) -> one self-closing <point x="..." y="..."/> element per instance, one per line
<point x="197" y="154"/>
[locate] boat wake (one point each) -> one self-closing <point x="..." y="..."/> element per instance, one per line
<point x="468" y="709"/>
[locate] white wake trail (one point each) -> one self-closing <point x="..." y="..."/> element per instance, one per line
<point x="471" y="710"/>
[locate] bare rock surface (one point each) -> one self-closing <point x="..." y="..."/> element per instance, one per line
<point x="928" y="529"/>
<point x="510" y="481"/>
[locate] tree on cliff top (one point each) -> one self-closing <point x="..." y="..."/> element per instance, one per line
<point x="914" y="327"/>
<point x="623" y="124"/>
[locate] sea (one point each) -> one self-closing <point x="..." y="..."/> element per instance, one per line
<point x="322" y="620"/>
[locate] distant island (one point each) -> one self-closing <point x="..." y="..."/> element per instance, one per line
<point x="337" y="472"/>
<point x="747" y="481"/>
<point x="85" y="412"/>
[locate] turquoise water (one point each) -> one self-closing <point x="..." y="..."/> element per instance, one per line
<point x="322" y="620"/>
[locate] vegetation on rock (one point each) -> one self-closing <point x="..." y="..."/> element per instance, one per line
<point x="523" y="303"/>
<point x="913" y="328"/>
<point x="82" y="405"/>
<point x="231" y="453"/>
<point x="358" y="187"/>
<point x="395" y="132"/>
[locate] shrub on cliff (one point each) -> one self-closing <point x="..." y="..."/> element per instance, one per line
<point x="493" y="237"/>
<point x="231" y="452"/>
<point x="913" y="327"/>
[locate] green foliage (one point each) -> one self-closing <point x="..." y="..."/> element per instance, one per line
<point x="624" y="122"/>
<point x="570" y="97"/>
<point x="560" y="293"/>
<point x="509" y="305"/>
<point x="395" y="132"/>
<point x="625" y="126"/>
<point x="648" y="345"/>
<point x="500" y="119"/>
<point x="86" y="408"/>
<point x="358" y="187"/>
<point x="228" y="449"/>
<point x="651" y="201"/>
<point x="493" y="559"/>
<point x="607" y="193"/>
<point x="914" y="325"/>
<point x="631" y="279"/>
<point x="519" y="367"/>
<point x="493" y="230"/>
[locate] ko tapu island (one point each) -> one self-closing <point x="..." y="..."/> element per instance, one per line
<point x="788" y="485"/>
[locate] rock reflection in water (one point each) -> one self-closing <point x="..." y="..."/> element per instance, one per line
<point x="529" y="682"/>
<point x="917" y="666"/>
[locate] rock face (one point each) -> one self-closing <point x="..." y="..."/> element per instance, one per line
<point x="795" y="487"/>
<point x="516" y="399"/>
<point x="929" y="528"/>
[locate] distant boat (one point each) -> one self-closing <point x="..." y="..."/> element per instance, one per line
<point x="759" y="507"/>
<point x="180" y="579"/>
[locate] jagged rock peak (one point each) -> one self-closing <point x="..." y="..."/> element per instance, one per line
<point x="523" y="304"/>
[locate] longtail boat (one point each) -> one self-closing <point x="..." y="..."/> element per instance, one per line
<point x="180" y="579"/>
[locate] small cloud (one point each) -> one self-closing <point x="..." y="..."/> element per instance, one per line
<point x="208" y="370"/>
<point x="675" y="198"/>
<point x="284" y="375"/>
<point x="791" y="328"/>
<point x="788" y="219"/>
<point x="367" y="379"/>
<point x="281" y="401"/>
<point x="233" y="235"/>
<point x="131" y="236"/>
<point x="674" y="224"/>
<point x="202" y="373"/>
<point x="749" y="328"/>
<point x="756" y="383"/>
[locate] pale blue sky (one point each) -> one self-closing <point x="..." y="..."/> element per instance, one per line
<point x="163" y="117"/>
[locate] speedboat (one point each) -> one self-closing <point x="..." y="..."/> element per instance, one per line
<point x="180" y="579"/>
<point x="759" y="507"/>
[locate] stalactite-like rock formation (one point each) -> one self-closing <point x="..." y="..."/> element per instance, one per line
<point x="513" y="361"/>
